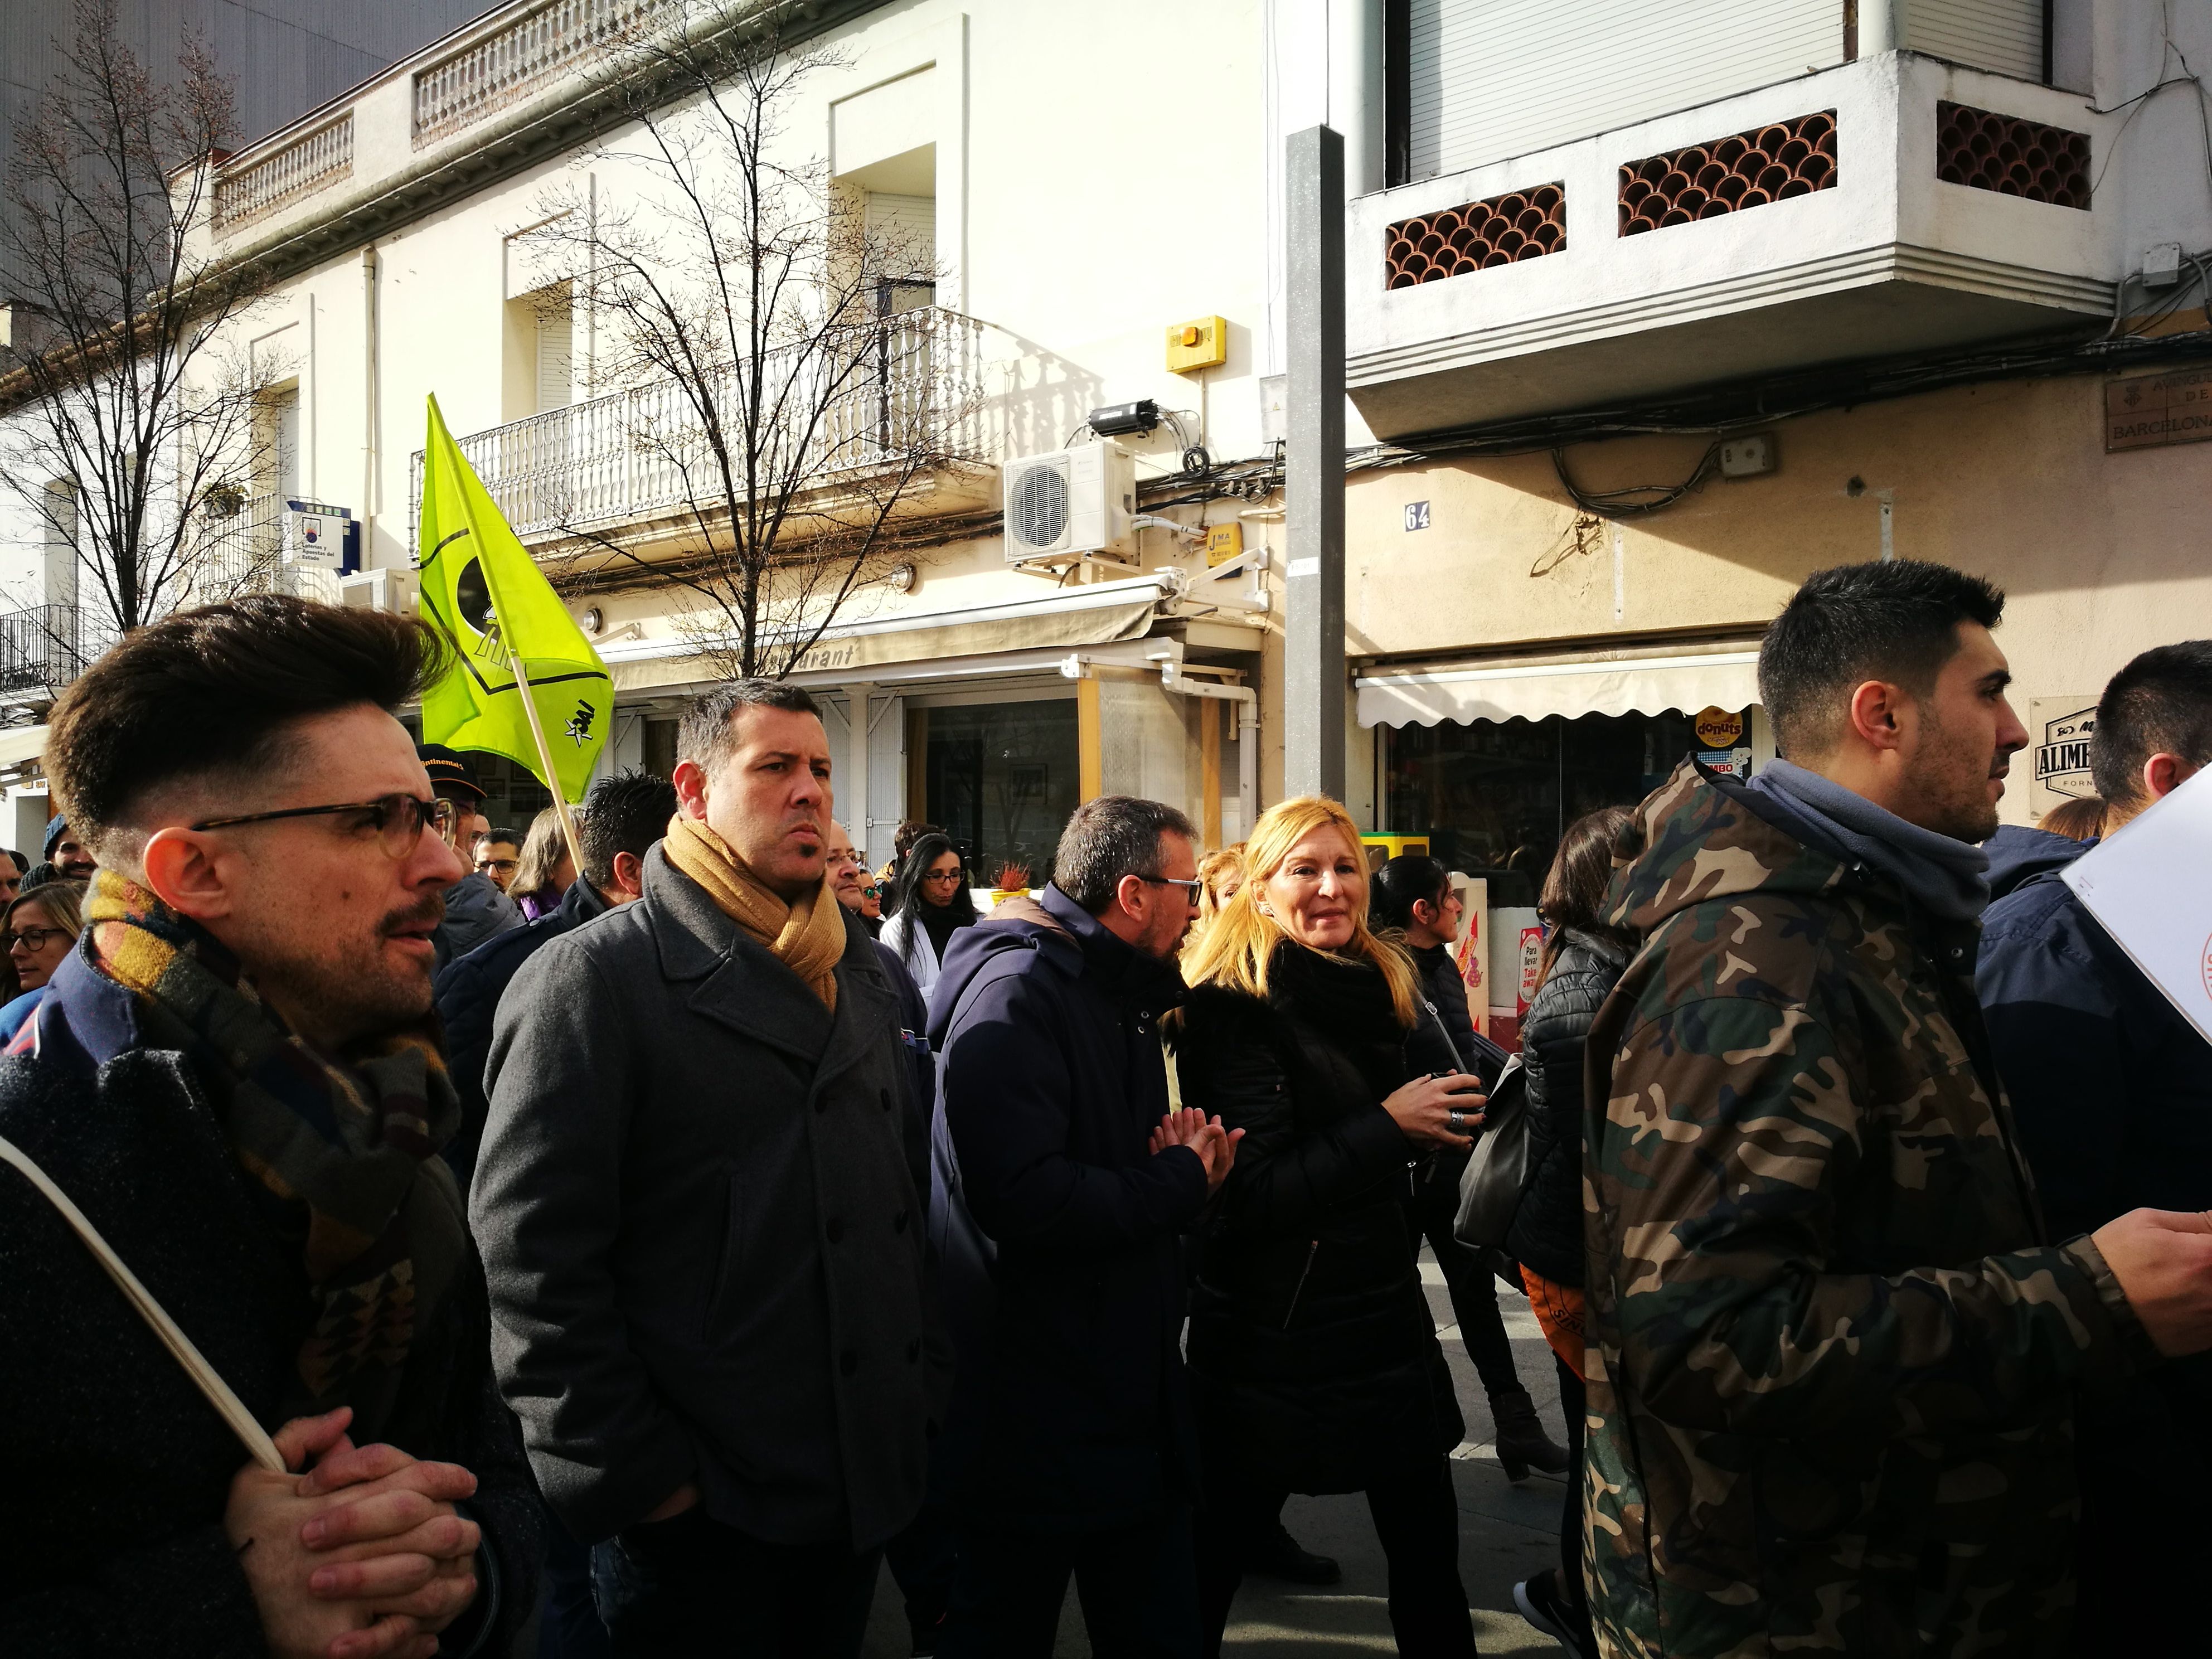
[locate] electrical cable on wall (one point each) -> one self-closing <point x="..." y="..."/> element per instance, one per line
<point x="1632" y="500"/>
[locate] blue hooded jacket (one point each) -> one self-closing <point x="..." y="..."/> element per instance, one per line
<point x="2111" y="1087"/>
<point x="1055" y="1231"/>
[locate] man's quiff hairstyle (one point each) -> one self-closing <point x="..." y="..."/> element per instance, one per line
<point x="1897" y="621"/>
<point x="1109" y="838"/>
<point x="2160" y="704"/>
<point x="706" y="734"/>
<point x="215" y="693"/>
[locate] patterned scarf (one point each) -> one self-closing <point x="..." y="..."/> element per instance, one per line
<point x="808" y="938"/>
<point x="342" y="1156"/>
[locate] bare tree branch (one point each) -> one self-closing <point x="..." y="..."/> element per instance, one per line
<point x="761" y="348"/>
<point x="133" y="417"/>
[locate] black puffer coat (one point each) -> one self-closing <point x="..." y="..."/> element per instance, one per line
<point x="1547" y="1234"/>
<point x="1312" y="1352"/>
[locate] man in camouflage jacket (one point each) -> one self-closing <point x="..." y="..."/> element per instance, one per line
<point x="1831" y="1350"/>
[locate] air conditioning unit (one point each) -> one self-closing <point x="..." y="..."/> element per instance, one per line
<point x="381" y="589"/>
<point x="1070" y="503"/>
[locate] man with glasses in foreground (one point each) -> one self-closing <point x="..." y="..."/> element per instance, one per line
<point x="233" y="1077"/>
<point x="1070" y="1446"/>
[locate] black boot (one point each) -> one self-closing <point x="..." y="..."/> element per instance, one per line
<point x="1523" y="1445"/>
<point x="1275" y="1554"/>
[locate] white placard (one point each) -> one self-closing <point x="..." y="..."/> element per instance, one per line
<point x="2151" y="887"/>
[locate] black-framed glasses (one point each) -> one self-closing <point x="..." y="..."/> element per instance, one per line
<point x="510" y="865"/>
<point x="1191" y="889"/>
<point x="32" y="939"/>
<point x="399" y="820"/>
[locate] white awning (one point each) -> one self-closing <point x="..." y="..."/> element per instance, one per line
<point x="20" y="744"/>
<point x="1589" y="685"/>
<point x="1052" y="622"/>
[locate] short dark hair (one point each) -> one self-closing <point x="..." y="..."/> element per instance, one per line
<point x="217" y="691"/>
<point x="1109" y="838"/>
<point x="20" y="862"/>
<point x="1399" y="884"/>
<point x="625" y="813"/>
<point x="703" y="736"/>
<point x="507" y="835"/>
<point x="2160" y="704"/>
<point x="1897" y="621"/>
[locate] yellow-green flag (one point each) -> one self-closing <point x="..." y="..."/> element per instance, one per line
<point x="484" y="593"/>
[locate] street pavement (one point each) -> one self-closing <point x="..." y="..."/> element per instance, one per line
<point x="1506" y="1532"/>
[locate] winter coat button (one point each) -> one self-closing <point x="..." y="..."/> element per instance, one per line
<point x="848" y="1361"/>
<point x="822" y="1104"/>
<point x="884" y="1098"/>
<point x="898" y="1222"/>
<point x="835" y="1230"/>
<point x="913" y="1351"/>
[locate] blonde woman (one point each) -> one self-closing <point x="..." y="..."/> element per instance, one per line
<point x="1313" y="1356"/>
<point x="546" y="870"/>
<point x="1220" y="873"/>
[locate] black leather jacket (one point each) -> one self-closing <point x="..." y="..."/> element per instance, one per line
<point x="1547" y="1234"/>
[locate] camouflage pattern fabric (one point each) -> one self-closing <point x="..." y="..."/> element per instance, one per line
<point x="1831" y="1354"/>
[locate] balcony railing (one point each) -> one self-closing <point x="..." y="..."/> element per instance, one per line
<point x="518" y="59"/>
<point x="304" y="166"/>
<point x="243" y="553"/>
<point x="41" y="649"/>
<point x="642" y="453"/>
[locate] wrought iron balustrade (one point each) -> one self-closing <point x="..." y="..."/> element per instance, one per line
<point x="242" y="553"/>
<point x="908" y="384"/>
<point x="41" y="648"/>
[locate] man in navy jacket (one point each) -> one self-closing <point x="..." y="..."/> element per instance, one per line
<point x="1061" y="1187"/>
<point x="2113" y="1091"/>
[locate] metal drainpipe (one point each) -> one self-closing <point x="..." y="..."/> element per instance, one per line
<point x="369" y="435"/>
<point x="1248" y="734"/>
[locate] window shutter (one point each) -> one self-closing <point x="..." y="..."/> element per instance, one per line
<point x="1488" y="79"/>
<point x="555" y="354"/>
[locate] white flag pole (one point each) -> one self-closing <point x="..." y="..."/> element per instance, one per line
<point x="546" y="760"/>
<point x="208" y="1379"/>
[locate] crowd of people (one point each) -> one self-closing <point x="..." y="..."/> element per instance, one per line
<point x="630" y="1237"/>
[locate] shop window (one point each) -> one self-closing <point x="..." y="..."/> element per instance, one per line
<point x="512" y="795"/>
<point x="1001" y="778"/>
<point x="1494" y="797"/>
<point x="659" y="746"/>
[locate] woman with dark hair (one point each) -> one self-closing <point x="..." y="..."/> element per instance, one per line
<point x="1584" y="957"/>
<point x="39" y="930"/>
<point x="1414" y="900"/>
<point x="934" y="903"/>
<point x="1314" y="1361"/>
<point x="1411" y="901"/>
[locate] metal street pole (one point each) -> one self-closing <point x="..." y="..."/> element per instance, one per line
<point x="1313" y="489"/>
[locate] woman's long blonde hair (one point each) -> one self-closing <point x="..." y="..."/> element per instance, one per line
<point x="1238" y="946"/>
<point x="1222" y="867"/>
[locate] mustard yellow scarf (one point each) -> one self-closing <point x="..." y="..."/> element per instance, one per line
<point x="808" y="937"/>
